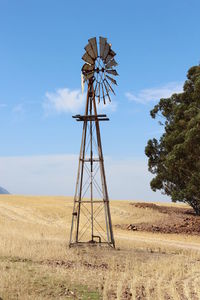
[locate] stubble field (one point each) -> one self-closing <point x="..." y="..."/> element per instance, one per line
<point x="36" y="263"/>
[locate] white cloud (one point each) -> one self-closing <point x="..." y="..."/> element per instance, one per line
<point x="56" y="175"/>
<point x="64" y="100"/>
<point x="154" y="94"/>
<point x="70" y="101"/>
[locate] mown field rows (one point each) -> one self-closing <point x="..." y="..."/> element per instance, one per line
<point x="36" y="263"/>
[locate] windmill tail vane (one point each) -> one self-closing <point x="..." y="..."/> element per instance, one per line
<point x="91" y="217"/>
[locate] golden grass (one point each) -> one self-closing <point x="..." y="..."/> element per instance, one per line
<point x="36" y="263"/>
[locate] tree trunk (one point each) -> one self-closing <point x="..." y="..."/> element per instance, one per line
<point x="196" y="206"/>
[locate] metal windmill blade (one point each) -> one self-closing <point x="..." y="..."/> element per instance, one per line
<point x="90" y="51"/>
<point x="109" y="86"/>
<point x="111" y="52"/>
<point x="108" y="58"/>
<point x="87" y="58"/>
<point x="86" y="67"/>
<point x="99" y="68"/>
<point x="93" y="43"/>
<point x="111" y="79"/>
<point x="113" y="72"/>
<point x="107" y="91"/>
<point x="102" y="43"/>
<point x="111" y="63"/>
<point x="106" y="51"/>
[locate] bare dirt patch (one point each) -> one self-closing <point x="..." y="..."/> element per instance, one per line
<point x="174" y="220"/>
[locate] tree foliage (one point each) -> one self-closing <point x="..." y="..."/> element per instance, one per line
<point x="174" y="159"/>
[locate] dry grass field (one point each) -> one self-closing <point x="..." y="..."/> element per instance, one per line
<point x="36" y="263"/>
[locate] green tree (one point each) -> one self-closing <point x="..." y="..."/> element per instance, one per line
<point x="174" y="159"/>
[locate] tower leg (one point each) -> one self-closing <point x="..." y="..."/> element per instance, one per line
<point x="79" y="182"/>
<point x="104" y="184"/>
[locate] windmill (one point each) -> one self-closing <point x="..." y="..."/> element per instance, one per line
<point x="91" y="218"/>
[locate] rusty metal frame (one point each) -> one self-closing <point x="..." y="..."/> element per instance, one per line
<point x="91" y="127"/>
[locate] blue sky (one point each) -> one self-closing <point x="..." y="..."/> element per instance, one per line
<point x="41" y="46"/>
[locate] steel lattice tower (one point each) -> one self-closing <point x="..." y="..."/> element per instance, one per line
<point x="91" y="218"/>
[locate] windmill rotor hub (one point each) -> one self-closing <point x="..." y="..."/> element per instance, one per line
<point x="99" y="66"/>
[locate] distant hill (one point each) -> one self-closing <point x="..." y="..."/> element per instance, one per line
<point x="3" y="191"/>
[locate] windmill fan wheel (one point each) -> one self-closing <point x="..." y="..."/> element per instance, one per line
<point x="99" y="67"/>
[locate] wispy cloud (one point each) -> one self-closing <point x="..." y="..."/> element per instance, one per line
<point x="154" y="94"/>
<point x="63" y="100"/>
<point x="70" y="101"/>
